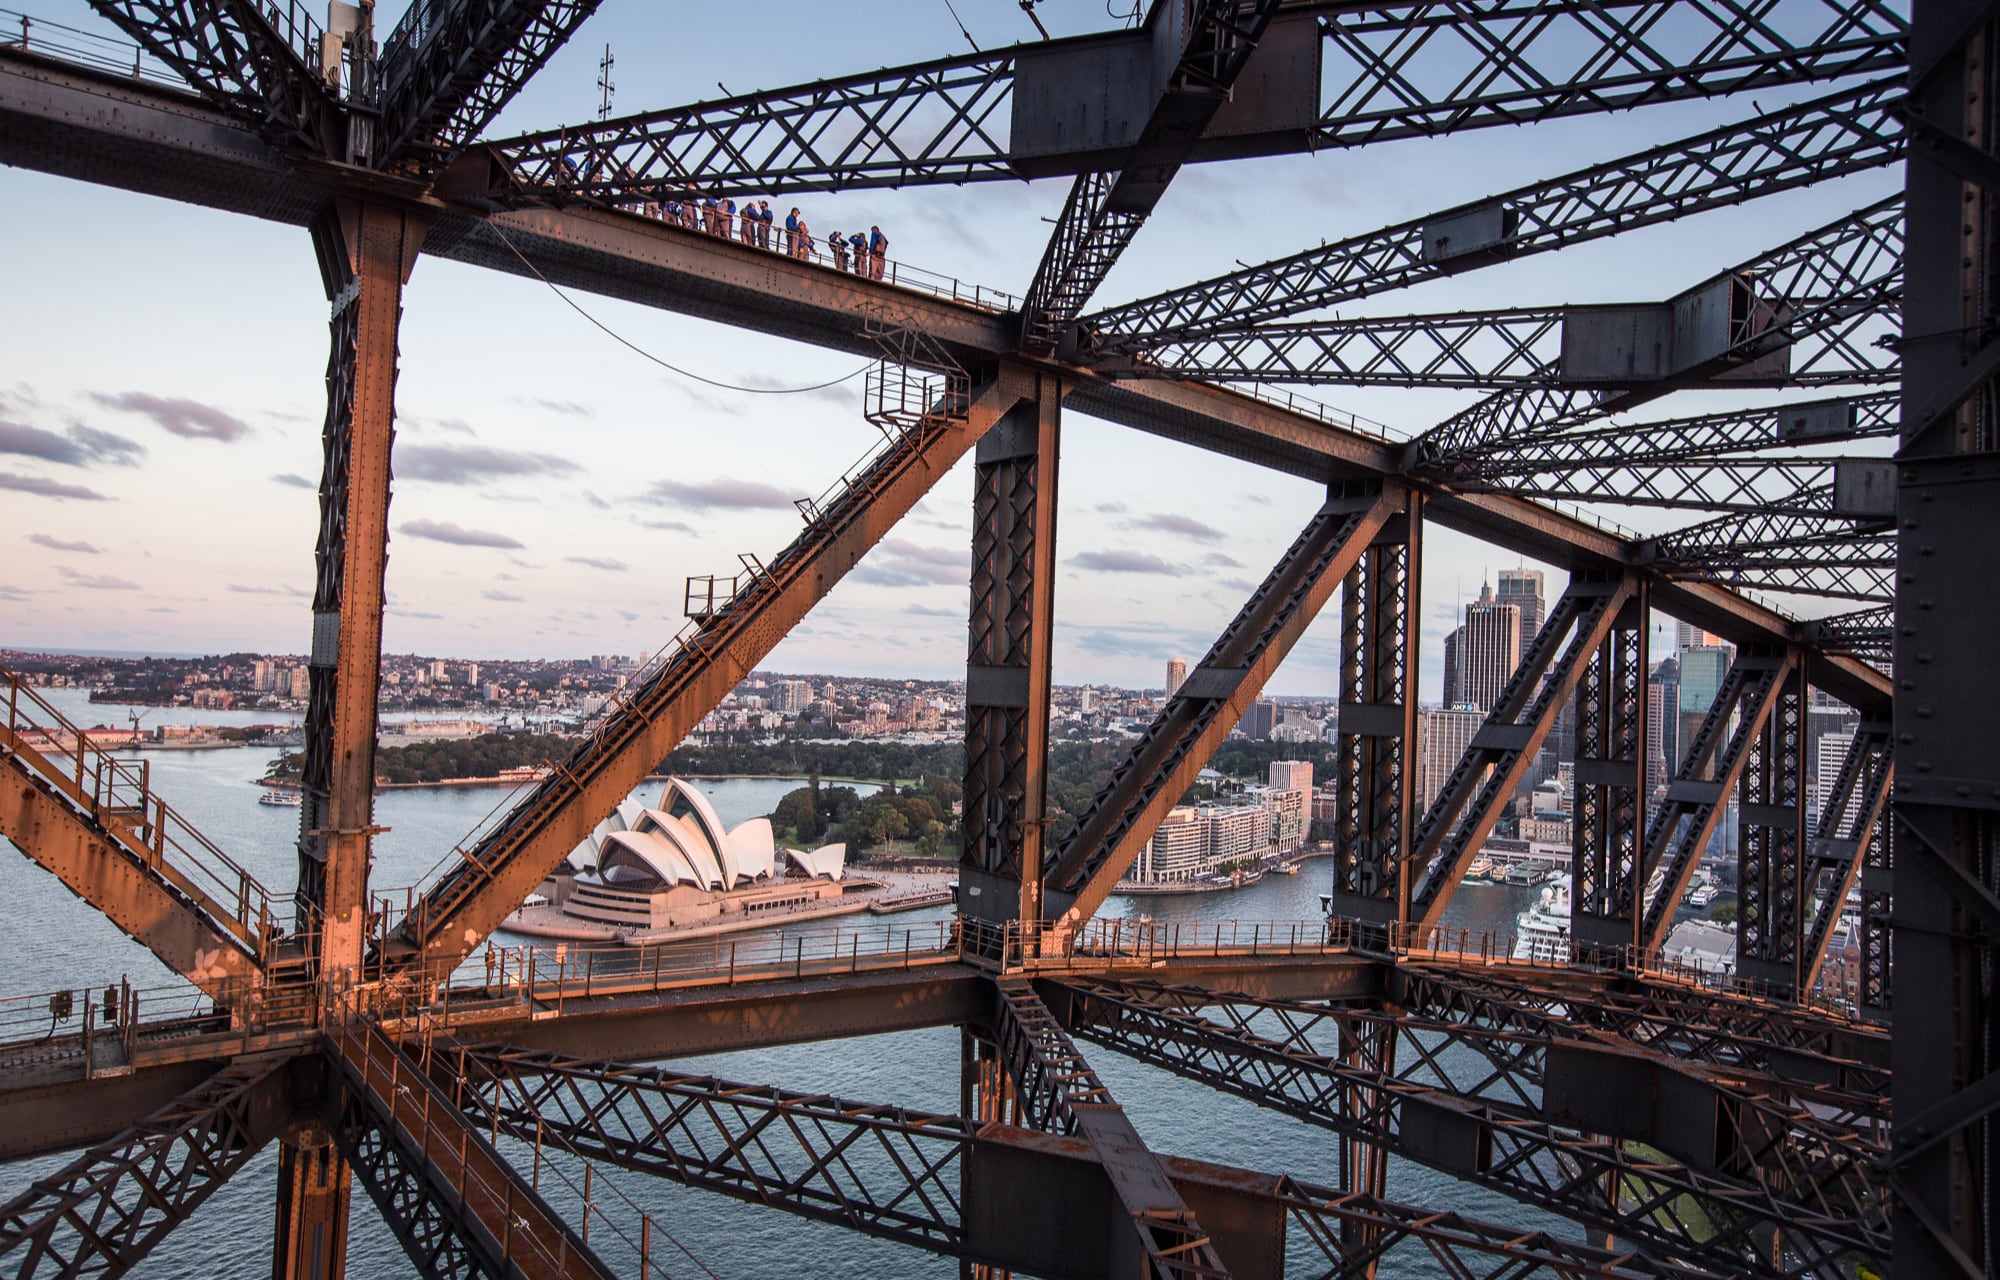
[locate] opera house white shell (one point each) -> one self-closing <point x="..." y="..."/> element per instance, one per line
<point x="676" y="864"/>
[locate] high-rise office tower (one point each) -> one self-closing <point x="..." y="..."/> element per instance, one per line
<point x="1292" y="775"/>
<point x="1522" y="588"/>
<point x="1176" y="675"/>
<point x="1833" y="749"/>
<point x="1664" y="711"/>
<point x="1451" y="694"/>
<point x="1692" y="637"/>
<point x="1489" y="648"/>
<point x="1259" y="720"/>
<point x="1443" y="736"/>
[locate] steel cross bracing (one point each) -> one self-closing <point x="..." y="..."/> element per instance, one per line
<point x="260" y="62"/>
<point x="1106" y="208"/>
<point x="1806" y="313"/>
<point x="1161" y="766"/>
<point x="1390" y="71"/>
<point x="906" y="1175"/>
<point x="1486" y="776"/>
<point x="1609" y="820"/>
<point x="1674" y="1212"/>
<point x="1817" y="1148"/>
<point x="1849" y="818"/>
<point x="1771" y="835"/>
<point x="1063" y="1093"/>
<point x="1865" y="633"/>
<point x="1808" y="549"/>
<point x="1849" y="131"/>
<point x="105" y="1211"/>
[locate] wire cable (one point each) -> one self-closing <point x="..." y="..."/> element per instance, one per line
<point x="636" y="349"/>
<point x="961" y="27"/>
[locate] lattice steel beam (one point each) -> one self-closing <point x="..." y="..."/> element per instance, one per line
<point x="1106" y="208"/>
<point x="1771" y="841"/>
<point x="105" y="1211"/>
<point x="1846" y="132"/>
<point x="1387" y="75"/>
<point x="1834" y="286"/>
<point x="458" y="1208"/>
<point x="907" y="1175"/>
<point x="1423" y="69"/>
<point x="258" y="62"/>
<point x="1804" y="315"/>
<point x="1486" y="776"/>
<point x="1679" y="829"/>
<point x="1839" y="1061"/>
<point x="1375" y="771"/>
<point x="687" y="681"/>
<point x="1802" y="550"/>
<point x="1607" y="847"/>
<point x="1673" y="1211"/>
<point x="1161" y="766"/>
<point x="1865" y="633"/>
<point x="1061" y="1093"/>
<point x="449" y="66"/>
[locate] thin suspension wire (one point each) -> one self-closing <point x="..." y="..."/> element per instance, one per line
<point x="636" y="349"/>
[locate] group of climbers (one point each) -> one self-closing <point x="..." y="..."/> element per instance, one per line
<point x="753" y="223"/>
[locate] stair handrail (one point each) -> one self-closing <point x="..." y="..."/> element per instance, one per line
<point x="116" y="796"/>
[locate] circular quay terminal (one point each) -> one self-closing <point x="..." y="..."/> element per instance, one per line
<point x="1149" y="639"/>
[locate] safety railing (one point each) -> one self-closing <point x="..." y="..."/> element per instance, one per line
<point x="1109" y="943"/>
<point x="114" y="795"/>
<point x="94" y="49"/>
<point x="521" y="1224"/>
<point x="75" y="1024"/>
<point x="294" y="24"/>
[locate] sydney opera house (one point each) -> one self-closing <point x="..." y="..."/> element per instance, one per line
<point x="644" y="869"/>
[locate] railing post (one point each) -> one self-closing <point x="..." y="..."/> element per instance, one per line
<point x="588" y="1169"/>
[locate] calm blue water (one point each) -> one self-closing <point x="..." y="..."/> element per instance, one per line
<point x="53" y="941"/>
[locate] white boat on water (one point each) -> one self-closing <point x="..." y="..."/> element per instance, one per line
<point x="1542" y="931"/>
<point x="1701" y="891"/>
<point x="279" y="798"/>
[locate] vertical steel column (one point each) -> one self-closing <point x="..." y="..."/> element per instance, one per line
<point x="1772" y="842"/>
<point x="1946" y="843"/>
<point x="985" y="1093"/>
<point x="1376" y="767"/>
<point x="1007" y="670"/>
<point x="365" y="252"/>
<point x="1878" y="907"/>
<point x="1367" y="1045"/>
<point x="1609" y="826"/>
<point x="310" y="1242"/>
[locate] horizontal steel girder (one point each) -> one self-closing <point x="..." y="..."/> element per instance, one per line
<point x="1218" y="692"/>
<point x="112" y="130"/>
<point x="149" y="899"/>
<point x="685" y="684"/>
<point x="949" y="1184"/>
<point x="1846" y="132"/>
<point x="459" y="1209"/>
<point x="107" y="1209"/>
<point x="1674" y="1211"/>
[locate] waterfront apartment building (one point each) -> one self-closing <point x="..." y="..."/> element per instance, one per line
<point x="1177" y="851"/>
<point x="1292" y="775"/>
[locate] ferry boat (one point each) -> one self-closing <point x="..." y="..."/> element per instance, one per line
<point x="1542" y="931"/>
<point x="1481" y="868"/>
<point x="281" y="799"/>
<point x="1701" y="891"/>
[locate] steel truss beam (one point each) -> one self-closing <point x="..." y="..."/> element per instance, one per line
<point x="1832" y="286"/>
<point x="1845" y="132"/>
<point x="1386" y="75"/>
<point x="1162" y="765"/>
<point x="366" y="252"/>
<point x="449" y="67"/>
<point x="1804" y="314"/>
<point x="688" y="680"/>
<point x="1106" y="208"/>
<point x="259" y="63"/>
<point x="1815" y="1055"/>
<point x="1492" y="1132"/>
<point x="1771" y="841"/>
<point x="1848" y="821"/>
<point x="1865" y="633"/>
<point x="916" y="1176"/>
<point x="1487" y="775"/>
<point x="1680" y="828"/>
<point x="106" y="1210"/>
<point x="459" y="1209"/>
<point x="1608" y="834"/>
<point x="1060" y="1092"/>
<point x="1375" y="770"/>
<point x="1807" y="549"/>
<point x="1007" y="673"/>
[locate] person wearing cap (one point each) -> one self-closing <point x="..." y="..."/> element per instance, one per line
<point x="837" y="247"/>
<point x="878" y="252"/>
<point x="859" y="243"/>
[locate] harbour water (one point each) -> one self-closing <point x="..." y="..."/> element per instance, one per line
<point x="52" y="941"/>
